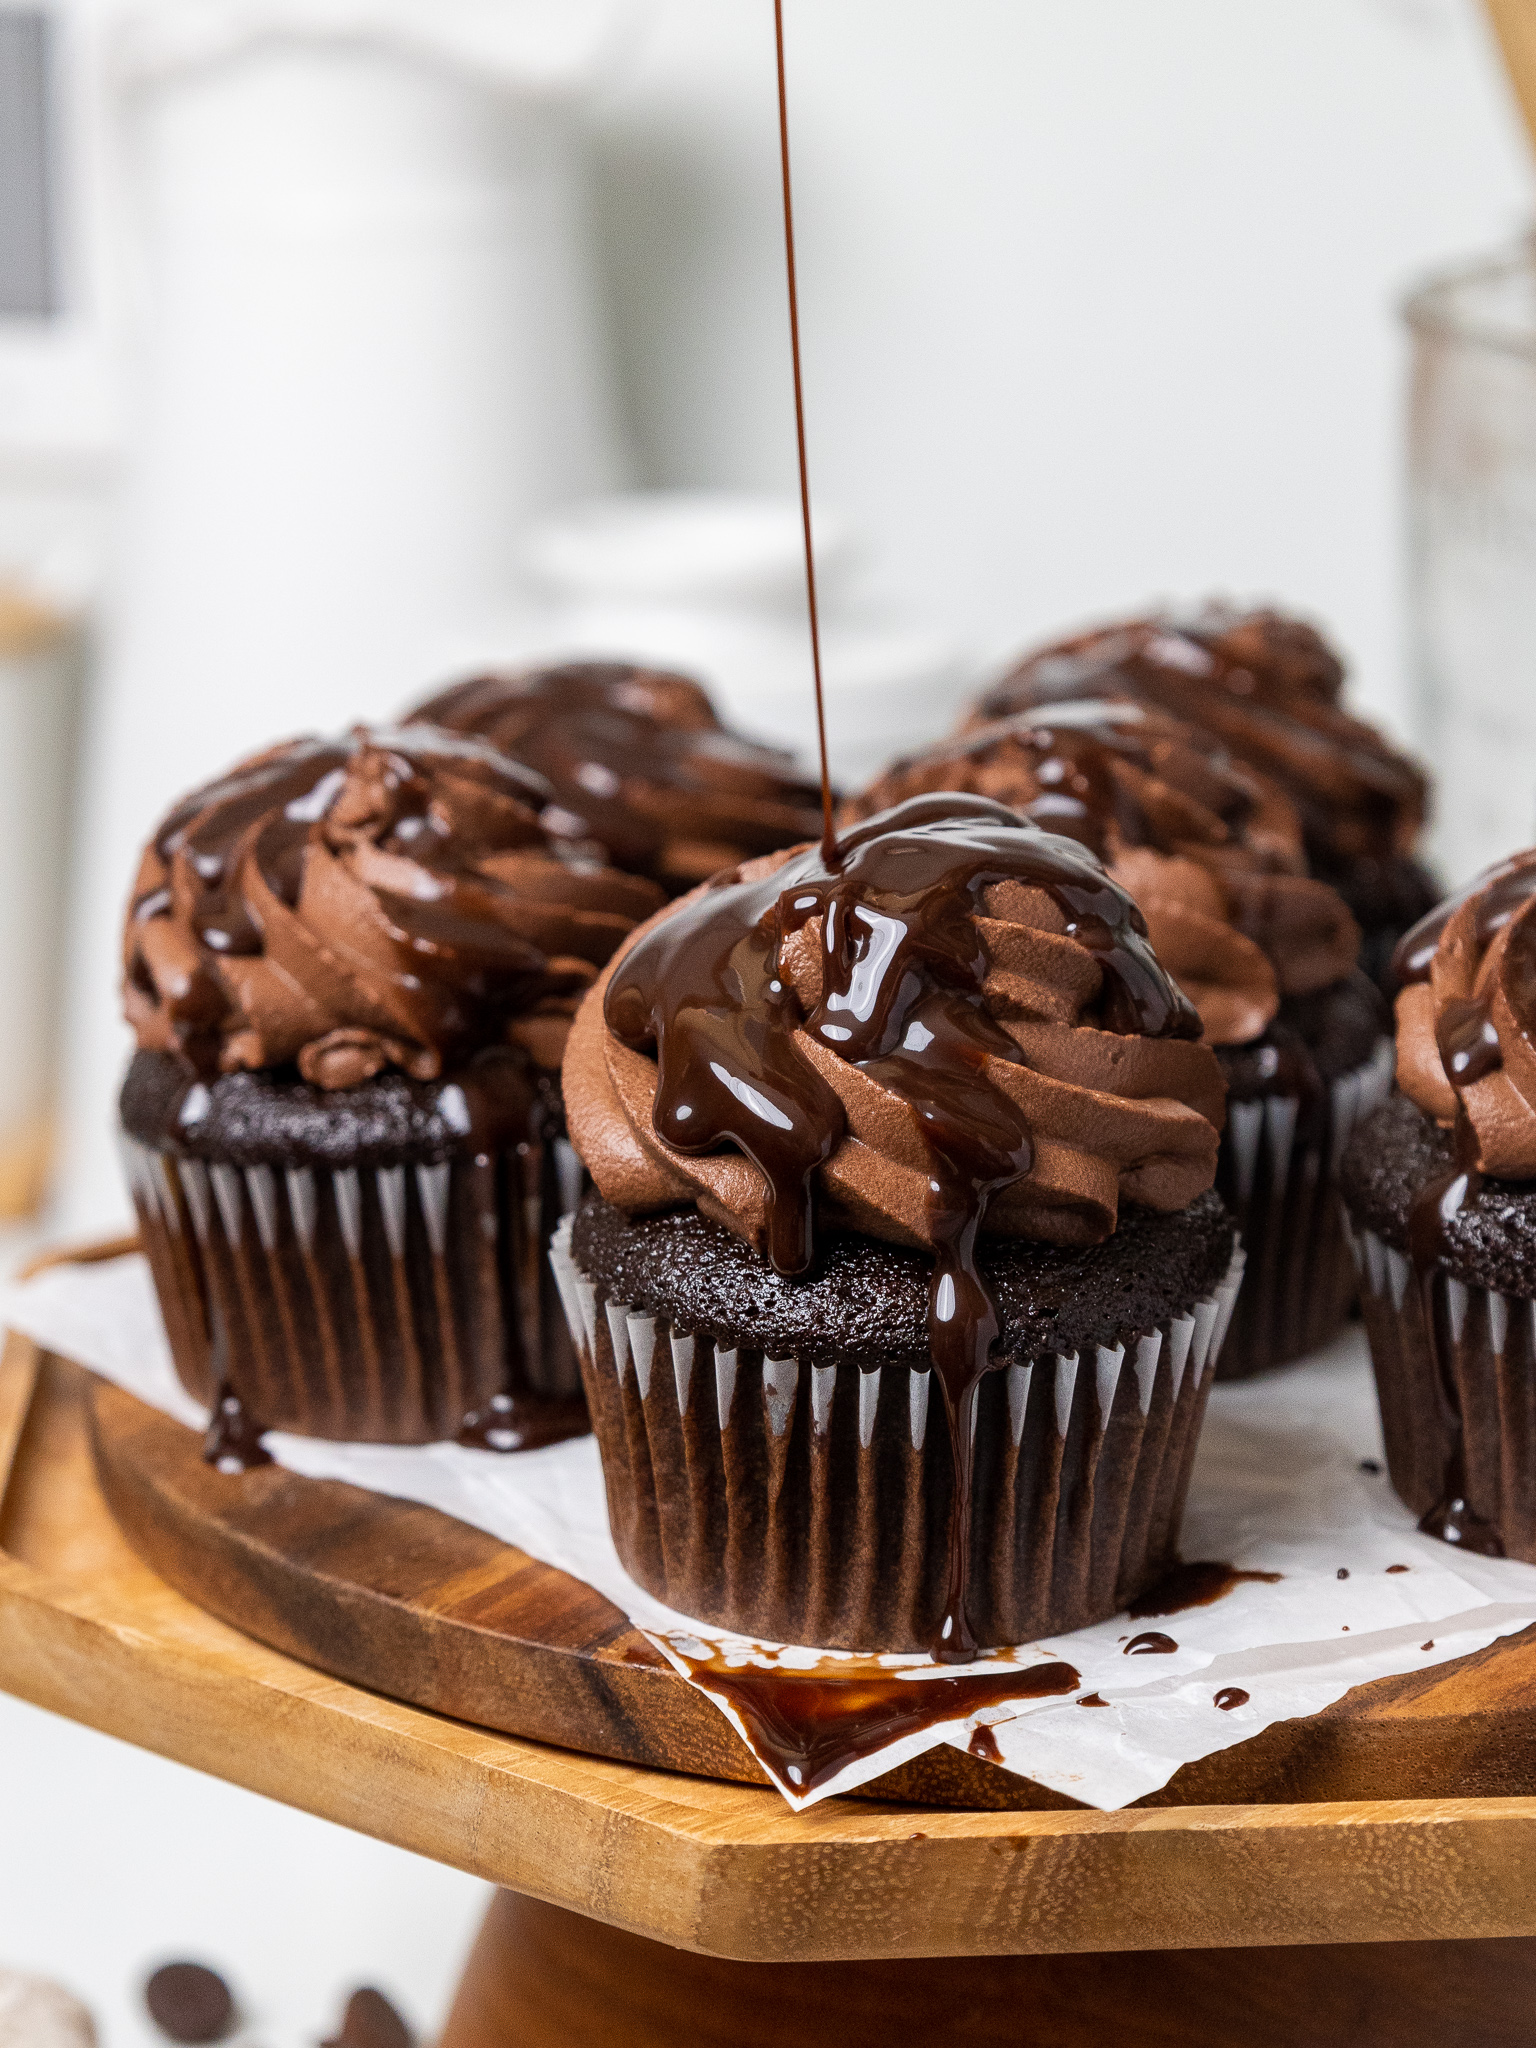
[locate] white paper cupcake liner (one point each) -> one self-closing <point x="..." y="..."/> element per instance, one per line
<point x="366" y="1304"/>
<point x="1278" y="1174"/>
<point x="810" y="1503"/>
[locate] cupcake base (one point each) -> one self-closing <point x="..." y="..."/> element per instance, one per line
<point x="1458" y="1401"/>
<point x="776" y="1455"/>
<point x="400" y="1297"/>
<point x="1278" y="1173"/>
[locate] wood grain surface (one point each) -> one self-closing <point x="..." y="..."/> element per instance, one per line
<point x="541" y="1978"/>
<point x="88" y="1630"/>
<point x="410" y="1602"/>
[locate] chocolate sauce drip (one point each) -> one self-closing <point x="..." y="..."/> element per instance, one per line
<point x="1229" y="1697"/>
<point x="806" y="1726"/>
<point x="1399" y="1567"/>
<point x="1198" y="1584"/>
<point x="524" y="1422"/>
<point x="1092" y="1699"/>
<point x="1467" y="1042"/>
<point x="233" y="1438"/>
<point x="903" y="968"/>
<point x="1151" y="1644"/>
<point x="983" y="1743"/>
<point x="1453" y="1518"/>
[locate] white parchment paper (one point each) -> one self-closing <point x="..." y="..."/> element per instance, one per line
<point x="1289" y="1478"/>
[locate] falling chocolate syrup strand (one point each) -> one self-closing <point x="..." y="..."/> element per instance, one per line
<point x="828" y="833"/>
<point x="902" y="973"/>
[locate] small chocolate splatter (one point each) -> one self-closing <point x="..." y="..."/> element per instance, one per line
<point x="1429" y="1645"/>
<point x="1342" y="1572"/>
<point x="1399" y="1567"/>
<point x="1372" y="1465"/>
<point x="1346" y="1628"/>
<point x="1151" y="1643"/>
<point x="1229" y="1697"/>
<point x="371" y="2021"/>
<point x="190" y="2002"/>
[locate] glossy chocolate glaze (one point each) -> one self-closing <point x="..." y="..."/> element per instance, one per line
<point x="1200" y="1583"/>
<point x="902" y="974"/>
<point x="806" y="1726"/>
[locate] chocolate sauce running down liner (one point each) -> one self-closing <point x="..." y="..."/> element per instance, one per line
<point x="902" y="974"/>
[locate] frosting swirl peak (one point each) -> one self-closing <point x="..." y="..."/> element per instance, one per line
<point x="963" y="989"/>
<point x="1466" y="1016"/>
<point x="390" y="899"/>
<point x="640" y="765"/>
<point x="1268" y="688"/>
<point x="1210" y="850"/>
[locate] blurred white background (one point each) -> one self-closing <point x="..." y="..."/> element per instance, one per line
<point x="1099" y="302"/>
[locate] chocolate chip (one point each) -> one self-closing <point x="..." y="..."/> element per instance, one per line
<point x="371" y="2021"/>
<point x="190" y="2002"/>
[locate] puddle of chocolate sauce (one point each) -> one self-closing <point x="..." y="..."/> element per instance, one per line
<point x="1197" y="1584"/>
<point x="806" y="1726"/>
<point x="1152" y="1643"/>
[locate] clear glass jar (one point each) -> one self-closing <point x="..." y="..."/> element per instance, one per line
<point x="1472" y="591"/>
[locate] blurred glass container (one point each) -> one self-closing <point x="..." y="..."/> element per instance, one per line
<point x="1472" y="593"/>
<point x="39" y="672"/>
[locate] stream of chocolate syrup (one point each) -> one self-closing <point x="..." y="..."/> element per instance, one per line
<point x="1468" y="1045"/>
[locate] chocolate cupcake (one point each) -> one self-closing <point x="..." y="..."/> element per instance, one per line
<point x="1441" y="1189"/>
<point x="351" y="966"/>
<point x="1268" y="687"/>
<point x="897" y="1293"/>
<point x="642" y="769"/>
<point x="1212" y="854"/>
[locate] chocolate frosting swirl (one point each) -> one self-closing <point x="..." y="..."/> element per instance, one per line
<point x="1268" y="688"/>
<point x="1075" y="1041"/>
<point x="390" y="899"/>
<point x="640" y="765"/>
<point x="1466" y="1018"/>
<point x="1211" y="851"/>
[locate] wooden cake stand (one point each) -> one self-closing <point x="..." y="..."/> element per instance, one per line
<point x="652" y="1891"/>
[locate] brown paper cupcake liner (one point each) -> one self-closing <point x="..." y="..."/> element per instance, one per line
<point x="810" y="1504"/>
<point x="386" y="1304"/>
<point x="1278" y="1174"/>
<point x="1474" y="1434"/>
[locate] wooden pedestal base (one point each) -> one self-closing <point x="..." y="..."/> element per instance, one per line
<point x="539" y="1977"/>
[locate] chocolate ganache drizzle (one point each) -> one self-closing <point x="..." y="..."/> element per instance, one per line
<point x="1466" y="1017"/>
<point x="389" y="899"/>
<point x="900" y="973"/>
<point x="641" y="768"/>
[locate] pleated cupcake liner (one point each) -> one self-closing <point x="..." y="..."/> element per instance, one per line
<point x="1483" y="1414"/>
<point x="807" y="1503"/>
<point x="366" y="1304"/>
<point x="1277" y="1172"/>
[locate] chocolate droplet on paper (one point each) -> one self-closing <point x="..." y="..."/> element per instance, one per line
<point x="1231" y="1696"/>
<point x="370" y="2021"/>
<point x="190" y="2002"/>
